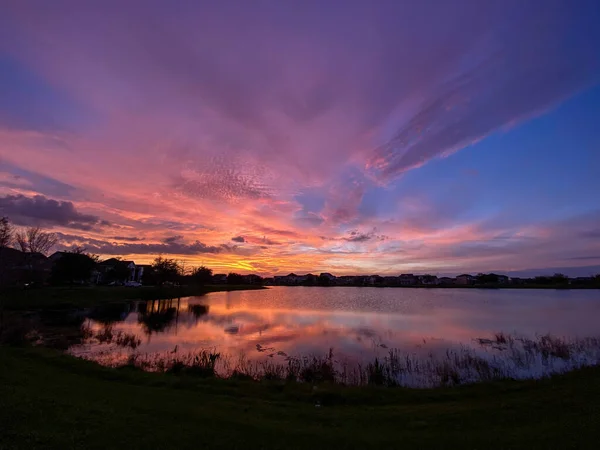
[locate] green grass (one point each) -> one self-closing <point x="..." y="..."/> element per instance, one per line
<point x="49" y="400"/>
<point x="66" y="297"/>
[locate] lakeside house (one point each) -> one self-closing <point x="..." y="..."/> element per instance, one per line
<point x="114" y="269"/>
<point x="16" y="266"/>
<point x="407" y="279"/>
<point x="428" y="280"/>
<point x="465" y="279"/>
<point x="446" y="281"/>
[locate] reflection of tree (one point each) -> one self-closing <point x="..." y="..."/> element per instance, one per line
<point x="110" y="313"/>
<point x="198" y="310"/>
<point x="156" y="316"/>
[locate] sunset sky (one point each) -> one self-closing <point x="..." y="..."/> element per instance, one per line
<point x="352" y="137"/>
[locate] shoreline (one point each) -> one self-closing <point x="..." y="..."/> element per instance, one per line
<point x="56" y="401"/>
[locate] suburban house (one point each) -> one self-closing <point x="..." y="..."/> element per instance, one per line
<point x="115" y="268"/>
<point x="407" y="279"/>
<point x="465" y="279"/>
<point x="17" y="267"/>
<point x="346" y="281"/>
<point x="446" y="280"/>
<point x="391" y="281"/>
<point x="428" y="280"/>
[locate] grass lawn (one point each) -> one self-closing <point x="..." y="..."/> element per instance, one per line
<point x="49" y="400"/>
<point x="66" y="297"/>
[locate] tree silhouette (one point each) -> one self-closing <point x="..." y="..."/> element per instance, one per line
<point x="235" y="278"/>
<point x="35" y="240"/>
<point x="74" y="266"/>
<point x="6" y="232"/>
<point x="119" y="272"/>
<point x="166" y="270"/>
<point x="202" y="275"/>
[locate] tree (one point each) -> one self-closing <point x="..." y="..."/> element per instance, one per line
<point x="6" y="238"/>
<point x="311" y="280"/>
<point x="490" y="278"/>
<point x="202" y="275"/>
<point x="72" y="267"/>
<point x="559" y="278"/>
<point x="323" y="280"/>
<point x="166" y="270"/>
<point x="35" y="240"/>
<point x="6" y="232"/>
<point x="235" y="278"/>
<point x="35" y="245"/>
<point x="119" y="272"/>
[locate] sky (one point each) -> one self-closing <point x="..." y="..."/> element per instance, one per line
<point x="352" y="137"/>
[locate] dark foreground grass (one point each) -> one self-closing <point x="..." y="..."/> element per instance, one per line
<point x="84" y="296"/>
<point x="49" y="400"/>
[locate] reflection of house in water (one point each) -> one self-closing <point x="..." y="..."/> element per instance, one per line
<point x="112" y="312"/>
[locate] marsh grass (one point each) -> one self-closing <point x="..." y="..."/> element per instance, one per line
<point x="107" y="335"/>
<point x="501" y="357"/>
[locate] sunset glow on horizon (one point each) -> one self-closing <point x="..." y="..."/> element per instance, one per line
<point x="272" y="137"/>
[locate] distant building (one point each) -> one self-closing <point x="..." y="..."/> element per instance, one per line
<point x="391" y="281"/>
<point x="465" y="279"/>
<point x="428" y="280"/>
<point x="446" y="280"/>
<point x="407" y="279"/>
<point x="346" y="281"/>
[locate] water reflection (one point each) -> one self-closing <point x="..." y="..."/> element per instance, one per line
<point x="158" y="316"/>
<point x="358" y="323"/>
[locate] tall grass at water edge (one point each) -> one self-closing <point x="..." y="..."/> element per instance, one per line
<point x="504" y="356"/>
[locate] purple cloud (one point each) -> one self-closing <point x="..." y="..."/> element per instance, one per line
<point x="37" y="210"/>
<point x="114" y="248"/>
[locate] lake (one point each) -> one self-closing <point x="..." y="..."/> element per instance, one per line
<point x="359" y="324"/>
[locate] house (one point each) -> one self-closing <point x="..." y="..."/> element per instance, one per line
<point x="465" y="279"/>
<point x="446" y="280"/>
<point x="345" y="281"/>
<point x="428" y="280"/>
<point x="17" y="267"/>
<point x="407" y="279"/>
<point x="391" y="281"/>
<point x="375" y="280"/>
<point x="117" y="270"/>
